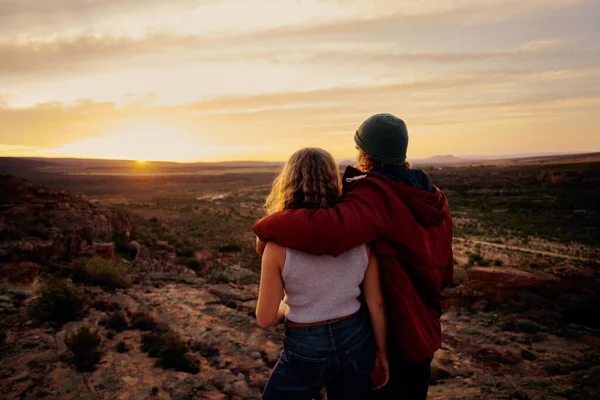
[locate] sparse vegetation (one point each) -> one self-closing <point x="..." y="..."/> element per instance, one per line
<point x="103" y="305"/>
<point x="42" y="222"/>
<point x="171" y="351"/>
<point x="59" y="301"/>
<point x="175" y="241"/>
<point x="117" y="321"/>
<point x="122" y="347"/>
<point x="194" y="264"/>
<point x="121" y="245"/>
<point x="7" y="305"/>
<point x="84" y="345"/>
<point x="187" y="252"/>
<point x="460" y="275"/>
<point x="152" y="344"/>
<point x="107" y="273"/>
<point x="230" y="248"/>
<point x="143" y="321"/>
<point x="477" y="259"/>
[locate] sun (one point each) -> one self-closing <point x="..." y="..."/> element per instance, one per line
<point x="141" y="162"/>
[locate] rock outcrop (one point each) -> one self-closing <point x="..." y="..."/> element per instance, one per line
<point x="42" y="225"/>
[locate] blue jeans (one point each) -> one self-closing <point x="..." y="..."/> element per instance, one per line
<point x="408" y="380"/>
<point x="338" y="356"/>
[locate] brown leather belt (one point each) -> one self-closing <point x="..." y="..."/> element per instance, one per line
<point x="311" y="324"/>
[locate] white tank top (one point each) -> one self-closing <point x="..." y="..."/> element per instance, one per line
<point x="320" y="288"/>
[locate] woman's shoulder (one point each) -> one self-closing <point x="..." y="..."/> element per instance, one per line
<point x="275" y="251"/>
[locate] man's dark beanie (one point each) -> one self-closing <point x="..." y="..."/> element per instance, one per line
<point x="384" y="138"/>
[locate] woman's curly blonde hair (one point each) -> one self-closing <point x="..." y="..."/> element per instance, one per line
<point x="309" y="179"/>
<point x="367" y="164"/>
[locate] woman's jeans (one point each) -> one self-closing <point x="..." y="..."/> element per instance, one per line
<point x="338" y="356"/>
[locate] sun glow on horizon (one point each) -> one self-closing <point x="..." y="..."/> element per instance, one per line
<point x="154" y="142"/>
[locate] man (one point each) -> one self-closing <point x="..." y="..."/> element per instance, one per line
<point x="407" y="221"/>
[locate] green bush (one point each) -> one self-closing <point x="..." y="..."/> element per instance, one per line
<point x="103" y="305"/>
<point x="477" y="259"/>
<point x="59" y="301"/>
<point x="117" y="321"/>
<point x="187" y="252"/>
<point x="122" y="347"/>
<point x="143" y="321"/>
<point x="175" y="241"/>
<point x="194" y="264"/>
<point x="154" y="220"/>
<point x="39" y="232"/>
<point x="230" y="248"/>
<point x="171" y="351"/>
<point x="43" y="222"/>
<point x="110" y="334"/>
<point x="121" y="244"/>
<point x="84" y="345"/>
<point x="107" y="273"/>
<point x="152" y="344"/>
<point x="7" y="305"/>
<point x="498" y="263"/>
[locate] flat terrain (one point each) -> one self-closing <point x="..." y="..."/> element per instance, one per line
<point x="547" y="210"/>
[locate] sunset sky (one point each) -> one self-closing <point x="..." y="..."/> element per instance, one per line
<point x="186" y="80"/>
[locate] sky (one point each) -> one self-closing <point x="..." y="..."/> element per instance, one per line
<point x="211" y="80"/>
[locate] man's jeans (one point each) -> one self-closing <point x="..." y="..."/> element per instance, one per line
<point x="338" y="356"/>
<point x="408" y="381"/>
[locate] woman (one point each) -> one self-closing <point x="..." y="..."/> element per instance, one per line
<point x="328" y="341"/>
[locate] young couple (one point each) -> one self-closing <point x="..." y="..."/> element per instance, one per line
<point x="362" y="266"/>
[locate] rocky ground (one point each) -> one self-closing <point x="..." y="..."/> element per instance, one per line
<point x="509" y="333"/>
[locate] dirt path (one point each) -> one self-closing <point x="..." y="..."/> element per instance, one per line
<point x="524" y="249"/>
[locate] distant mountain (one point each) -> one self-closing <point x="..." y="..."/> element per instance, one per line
<point x="435" y="160"/>
<point x="440" y="160"/>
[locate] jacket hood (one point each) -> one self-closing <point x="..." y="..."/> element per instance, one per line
<point x="411" y="177"/>
<point x="429" y="208"/>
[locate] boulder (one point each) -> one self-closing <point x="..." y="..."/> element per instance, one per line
<point x="142" y="253"/>
<point x="241" y="293"/>
<point x="45" y="224"/>
<point x="501" y="283"/>
<point x="213" y="396"/>
<point x="237" y="274"/>
<point x="104" y="250"/>
<point x="20" y="274"/>
<point x="510" y="277"/>
<point x="567" y="270"/>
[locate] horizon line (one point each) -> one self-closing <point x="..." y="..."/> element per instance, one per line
<point x="469" y="157"/>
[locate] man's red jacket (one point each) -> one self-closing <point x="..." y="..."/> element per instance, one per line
<point x="409" y="229"/>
